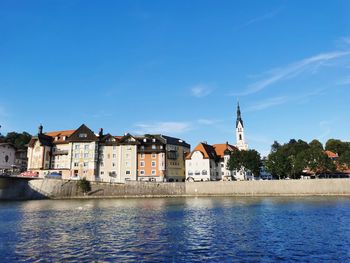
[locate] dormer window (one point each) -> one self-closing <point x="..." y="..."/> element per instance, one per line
<point x="153" y="140"/>
<point x="56" y="138"/>
<point x="64" y="138"/>
<point x="82" y="135"/>
<point x="145" y="140"/>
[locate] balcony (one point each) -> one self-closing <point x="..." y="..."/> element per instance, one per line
<point x="60" y="152"/>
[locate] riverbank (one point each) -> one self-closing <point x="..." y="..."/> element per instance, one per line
<point x="18" y="189"/>
<point x="58" y="189"/>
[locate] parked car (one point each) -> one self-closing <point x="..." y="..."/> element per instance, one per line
<point x="29" y="174"/>
<point x="54" y="175"/>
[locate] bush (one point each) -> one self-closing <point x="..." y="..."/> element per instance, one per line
<point x="84" y="185"/>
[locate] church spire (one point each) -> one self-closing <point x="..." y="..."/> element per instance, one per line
<point x="240" y="141"/>
<point x="239" y="117"/>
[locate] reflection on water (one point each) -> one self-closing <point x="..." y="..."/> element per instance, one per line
<point x="177" y="230"/>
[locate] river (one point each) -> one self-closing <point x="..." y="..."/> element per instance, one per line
<point x="267" y="229"/>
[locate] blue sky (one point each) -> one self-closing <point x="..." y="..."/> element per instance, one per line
<point x="178" y="68"/>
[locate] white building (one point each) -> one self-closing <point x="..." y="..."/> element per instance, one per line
<point x="7" y="157"/>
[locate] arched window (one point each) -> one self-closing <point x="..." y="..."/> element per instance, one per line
<point x="204" y="172"/>
<point x="240" y="137"/>
<point x="197" y="172"/>
<point x="190" y="173"/>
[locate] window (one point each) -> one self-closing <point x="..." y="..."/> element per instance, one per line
<point x="197" y="172"/>
<point x="114" y="156"/>
<point x="113" y="164"/>
<point x="153" y="146"/>
<point x="161" y="147"/>
<point x="142" y="164"/>
<point x="142" y="156"/>
<point x="154" y="155"/>
<point x="204" y="172"/>
<point x="76" y="155"/>
<point x="128" y="147"/>
<point x="102" y="164"/>
<point x="85" y="164"/>
<point x="82" y="135"/>
<point x="142" y="172"/>
<point x="108" y="156"/>
<point x="153" y="164"/>
<point x="127" y="164"/>
<point x="222" y="165"/>
<point x="77" y="147"/>
<point x="102" y="155"/>
<point x="190" y="172"/>
<point x="145" y="140"/>
<point x="127" y="156"/>
<point x="153" y="172"/>
<point x="114" y="147"/>
<point x="86" y="155"/>
<point x="127" y="172"/>
<point x="153" y="140"/>
<point x="142" y="147"/>
<point x="240" y="137"/>
<point x="222" y="173"/>
<point x="86" y="147"/>
<point x="76" y="164"/>
<point x="102" y="172"/>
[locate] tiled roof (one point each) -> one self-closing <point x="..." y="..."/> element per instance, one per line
<point x="60" y="133"/>
<point x="207" y="150"/>
<point x="222" y="147"/>
<point x="331" y="154"/>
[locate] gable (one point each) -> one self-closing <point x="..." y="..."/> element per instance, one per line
<point x="83" y="134"/>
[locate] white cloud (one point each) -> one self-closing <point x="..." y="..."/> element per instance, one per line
<point x="201" y="90"/>
<point x="207" y="121"/>
<point x="267" y="104"/>
<point x="311" y="64"/>
<point x="162" y="127"/>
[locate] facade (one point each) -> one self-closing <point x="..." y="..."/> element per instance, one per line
<point x="209" y="163"/>
<point x="7" y="157"/>
<point x="161" y="158"/>
<point x="80" y="153"/>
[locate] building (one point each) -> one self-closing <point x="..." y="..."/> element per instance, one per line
<point x="7" y="157"/>
<point x="71" y="153"/>
<point x="209" y="162"/>
<point x="161" y="158"/>
<point x="81" y="153"/>
<point x="240" y="138"/>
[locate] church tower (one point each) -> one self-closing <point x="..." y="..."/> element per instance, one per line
<point x="240" y="141"/>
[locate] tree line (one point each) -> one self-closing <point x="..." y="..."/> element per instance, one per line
<point x="19" y="140"/>
<point x="290" y="160"/>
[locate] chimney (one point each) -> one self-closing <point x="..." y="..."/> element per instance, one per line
<point x="40" y="129"/>
<point x="100" y="132"/>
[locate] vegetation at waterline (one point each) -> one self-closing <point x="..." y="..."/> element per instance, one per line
<point x="249" y="160"/>
<point x="292" y="158"/>
<point x="84" y="185"/>
<point x="19" y="140"/>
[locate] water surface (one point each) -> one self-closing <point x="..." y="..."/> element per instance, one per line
<point x="308" y="229"/>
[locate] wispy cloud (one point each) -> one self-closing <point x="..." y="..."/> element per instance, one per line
<point x="162" y="127"/>
<point x="267" y="104"/>
<point x="345" y="81"/>
<point x="207" y="121"/>
<point x="272" y="102"/>
<point x="310" y="64"/>
<point x="259" y="18"/>
<point x="201" y="90"/>
<point x="325" y="127"/>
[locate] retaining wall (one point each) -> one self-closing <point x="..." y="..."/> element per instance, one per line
<point x="15" y="189"/>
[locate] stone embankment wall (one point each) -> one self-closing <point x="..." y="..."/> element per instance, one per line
<point x="68" y="189"/>
<point x="21" y="189"/>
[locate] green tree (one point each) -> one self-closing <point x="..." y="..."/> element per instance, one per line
<point x="19" y="140"/>
<point x="344" y="160"/>
<point x="316" y="144"/>
<point x="318" y="162"/>
<point x="84" y="185"/>
<point x="337" y="146"/>
<point x="278" y="164"/>
<point x="249" y="160"/>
